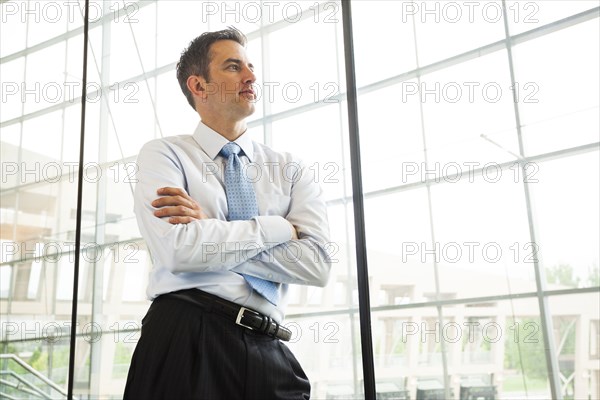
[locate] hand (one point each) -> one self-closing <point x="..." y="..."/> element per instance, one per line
<point x="178" y="205"/>
<point x="294" y="232"/>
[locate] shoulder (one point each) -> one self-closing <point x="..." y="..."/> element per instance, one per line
<point x="169" y="148"/>
<point x="171" y="145"/>
<point x="170" y="142"/>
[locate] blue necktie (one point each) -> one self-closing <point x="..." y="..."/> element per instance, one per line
<point x="241" y="201"/>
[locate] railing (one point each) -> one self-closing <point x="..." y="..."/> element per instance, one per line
<point x="29" y="385"/>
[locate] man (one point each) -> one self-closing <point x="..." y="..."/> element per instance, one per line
<point x="221" y="272"/>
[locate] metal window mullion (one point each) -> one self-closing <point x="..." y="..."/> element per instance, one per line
<point x="359" y="219"/>
<point x="540" y="276"/>
<point x="452" y="302"/>
<point x="97" y="267"/>
<point x="14" y="267"/>
<point x="436" y="277"/>
<point x="265" y="45"/>
<point x="351" y="313"/>
<point x="74" y="301"/>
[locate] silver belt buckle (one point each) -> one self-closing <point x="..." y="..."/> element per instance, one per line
<point x="240" y="315"/>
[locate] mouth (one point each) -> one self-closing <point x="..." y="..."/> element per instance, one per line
<point x="248" y="93"/>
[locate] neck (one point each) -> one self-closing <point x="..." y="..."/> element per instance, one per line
<point x="230" y="130"/>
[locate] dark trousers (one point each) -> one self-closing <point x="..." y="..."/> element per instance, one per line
<point x="186" y="352"/>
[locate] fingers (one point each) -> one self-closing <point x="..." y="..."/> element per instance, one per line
<point x="175" y="201"/>
<point x="181" y="220"/>
<point x="180" y="214"/>
<point x="177" y="204"/>
<point x="173" y="196"/>
<point x="294" y="232"/>
<point x="166" y="191"/>
<point x="176" y="211"/>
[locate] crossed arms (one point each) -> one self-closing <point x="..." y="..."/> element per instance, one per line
<point x="185" y="231"/>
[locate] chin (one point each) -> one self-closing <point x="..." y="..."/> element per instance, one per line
<point x="250" y="110"/>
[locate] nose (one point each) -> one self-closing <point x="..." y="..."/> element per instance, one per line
<point x="249" y="76"/>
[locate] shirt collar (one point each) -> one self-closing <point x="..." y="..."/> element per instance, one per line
<point x="212" y="142"/>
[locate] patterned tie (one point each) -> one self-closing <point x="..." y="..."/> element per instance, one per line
<point x="241" y="201"/>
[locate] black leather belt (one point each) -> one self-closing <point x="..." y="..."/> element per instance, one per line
<point x="242" y="316"/>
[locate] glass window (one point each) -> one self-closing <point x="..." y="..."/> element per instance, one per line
<point x="481" y="233"/>
<point x="386" y="47"/>
<point x="12" y="88"/>
<point x="328" y="350"/>
<point x="576" y="337"/>
<point x="463" y="25"/>
<point x="559" y="96"/>
<point x="523" y="16"/>
<point x="13" y="29"/>
<point x="391" y="136"/>
<point x="44" y="78"/>
<point x="315" y="137"/>
<point x="568" y="240"/>
<point x="468" y="112"/>
<point x="397" y="265"/>
<point x="310" y="72"/>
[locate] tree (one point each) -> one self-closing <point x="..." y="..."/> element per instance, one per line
<point x="524" y="345"/>
<point x="562" y="274"/>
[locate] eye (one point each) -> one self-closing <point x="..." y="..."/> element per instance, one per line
<point x="234" y="67"/>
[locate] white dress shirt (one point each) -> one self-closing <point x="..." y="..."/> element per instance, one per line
<point x="209" y="254"/>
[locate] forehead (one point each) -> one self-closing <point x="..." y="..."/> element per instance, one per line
<point x="225" y="49"/>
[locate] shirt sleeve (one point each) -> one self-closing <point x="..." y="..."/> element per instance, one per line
<point x="205" y="245"/>
<point x="304" y="261"/>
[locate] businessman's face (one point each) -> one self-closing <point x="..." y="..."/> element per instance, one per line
<point x="229" y="93"/>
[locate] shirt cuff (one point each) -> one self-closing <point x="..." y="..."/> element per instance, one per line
<point x="275" y="229"/>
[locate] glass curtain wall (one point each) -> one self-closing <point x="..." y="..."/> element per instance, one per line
<point x="133" y="97"/>
<point x="480" y="157"/>
<point x="479" y="144"/>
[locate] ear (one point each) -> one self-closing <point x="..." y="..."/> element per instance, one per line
<point x="197" y="85"/>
